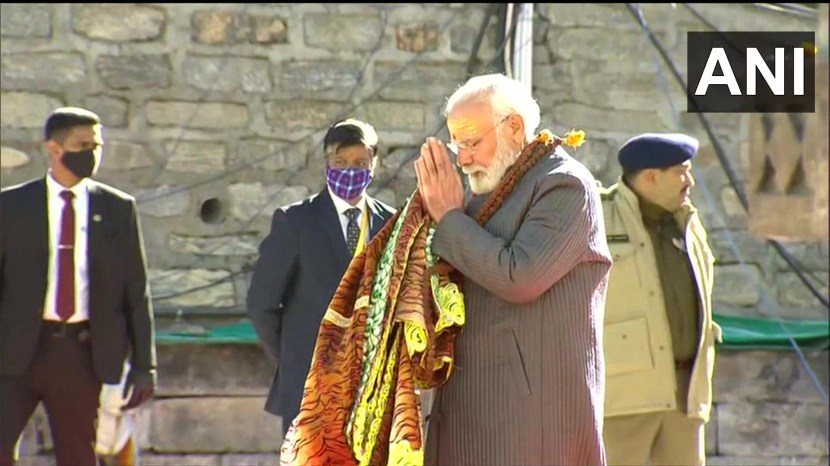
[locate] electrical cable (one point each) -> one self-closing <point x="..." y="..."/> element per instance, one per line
<point x="793" y="9"/>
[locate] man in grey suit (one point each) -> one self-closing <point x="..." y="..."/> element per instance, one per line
<point x="528" y="386"/>
<point x="304" y="256"/>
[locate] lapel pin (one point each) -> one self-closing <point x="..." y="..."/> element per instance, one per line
<point x="96" y="218"/>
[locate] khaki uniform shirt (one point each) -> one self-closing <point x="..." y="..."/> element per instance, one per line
<point x="676" y="278"/>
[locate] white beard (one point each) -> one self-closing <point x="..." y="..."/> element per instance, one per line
<point x="485" y="179"/>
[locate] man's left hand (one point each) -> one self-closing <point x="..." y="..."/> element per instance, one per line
<point x="438" y="182"/>
<point x="143" y="387"/>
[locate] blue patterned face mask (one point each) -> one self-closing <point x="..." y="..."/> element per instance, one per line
<point x="348" y="183"/>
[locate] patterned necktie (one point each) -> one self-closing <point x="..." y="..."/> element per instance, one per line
<point x="352" y="229"/>
<point x="65" y="299"/>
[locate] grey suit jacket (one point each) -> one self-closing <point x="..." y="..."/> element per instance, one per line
<point x="528" y="387"/>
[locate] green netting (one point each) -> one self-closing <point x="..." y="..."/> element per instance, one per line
<point x="750" y="333"/>
<point x="739" y="333"/>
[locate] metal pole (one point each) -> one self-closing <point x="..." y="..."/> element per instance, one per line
<point x="523" y="45"/>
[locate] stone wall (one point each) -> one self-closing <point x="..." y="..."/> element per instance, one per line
<point x="214" y="115"/>
<point x="596" y="70"/>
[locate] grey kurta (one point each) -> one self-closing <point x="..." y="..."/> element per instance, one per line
<point x="528" y="386"/>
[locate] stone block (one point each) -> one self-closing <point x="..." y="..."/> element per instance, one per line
<point x="797" y="301"/>
<point x="237" y="245"/>
<point x="269" y="30"/>
<point x="313" y="177"/>
<point x="406" y="116"/>
<point x="195" y="156"/>
<point x="595" y="154"/>
<point x="418" y="81"/>
<point x="187" y="370"/>
<point x="36" y="437"/>
<point x="584" y="117"/>
<point x="761" y="461"/>
<point x="134" y="71"/>
<point x="125" y="155"/>
<point x="313" y="79"/>
<point x="811" y="255"/>
<point x="342" y="32"/>
<point x="12" y="158"/>
<point x="385" y="195"/>
<point x="296" y="114"/>
<point x="23" y="20"/>
<point x="463" y="36"/>
<point x="772" y="429"/>
<point x="118" y="22"/>
<point x="597" y="15"/>
<point x="606" y="85"/>
<point x="724" y="244"/>
<point x="227" y="74"/>
<point x="218" y="27"/>
<point x="217" y="292"/>
<point x="113" y="111"/>
<point x="30" y="443"/>
<point x="251" y="460"/>
<point x="143" y="420"/>
<point x="400" y="162"/>
<point x="26" y="109"/>
<point x="180" y="460"/>
<point x="270" y="155"/>
<point x="417" y="37"/>
<point x="251" y="200"/>
<point x="599" y="43"/>
<point x="37" y="460"/>
<point x="710" y="432"/>
<point x="209" y="115"/>
<point x="738" y="285"/>
<point x="554" y="81"/>
<point x="214" y="425"/>
<point x="163" y="201"/>
<point x="732" y="205"/>
<point x="42" y="71"/>
<point x="773" y="376"/>
<point x="710" y="210"/>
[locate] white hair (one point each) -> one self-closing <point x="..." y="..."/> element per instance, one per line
<point x="505" y="95"/>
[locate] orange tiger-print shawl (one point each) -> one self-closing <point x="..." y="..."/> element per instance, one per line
<point x="362" y="408"/>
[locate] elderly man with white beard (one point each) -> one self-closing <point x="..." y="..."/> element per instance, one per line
<point x="528" y="382"/>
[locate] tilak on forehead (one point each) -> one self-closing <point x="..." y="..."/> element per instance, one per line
<point x="466" y="126"/>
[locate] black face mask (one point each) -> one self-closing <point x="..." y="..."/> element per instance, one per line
<point x="81" y="163"/>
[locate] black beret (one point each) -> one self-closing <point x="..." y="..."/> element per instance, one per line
<point x="350" y="132"/>
<point x="653" y="150"/>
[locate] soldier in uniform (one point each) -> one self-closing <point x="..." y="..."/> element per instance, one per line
<point x="660" y="336"/>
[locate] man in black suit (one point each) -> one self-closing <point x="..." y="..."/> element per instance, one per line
<point x="74" y="300"/>
<point x="304" y="257"/>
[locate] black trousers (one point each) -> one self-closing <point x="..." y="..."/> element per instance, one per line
<point x="62" y="377"/>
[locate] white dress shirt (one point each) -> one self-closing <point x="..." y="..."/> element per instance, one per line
<point x="342" y="206"/>
<point x="55" y="204"/>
